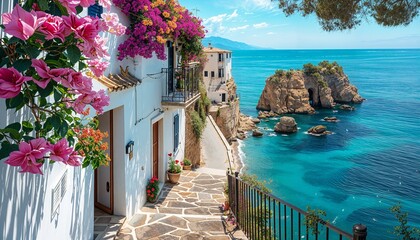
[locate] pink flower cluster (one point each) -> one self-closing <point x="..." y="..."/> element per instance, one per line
<point x="30" y="155"/>
<point x="71" y="5"/>
<point x="11" y="82"/>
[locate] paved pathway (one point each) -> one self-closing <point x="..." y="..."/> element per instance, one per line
<point x="189" y="210"/>
<point x="214" y="153"/>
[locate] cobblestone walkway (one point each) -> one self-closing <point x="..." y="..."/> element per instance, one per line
<point x="189" y="210"/>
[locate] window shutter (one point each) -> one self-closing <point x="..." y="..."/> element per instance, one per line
<point x="95" y="10"/>
<point x="176" y="132"/>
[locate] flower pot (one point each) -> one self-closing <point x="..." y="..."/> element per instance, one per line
<point x="185" y="167"/>
<point x="174" y="177"/>
<point x="152" y="200"/>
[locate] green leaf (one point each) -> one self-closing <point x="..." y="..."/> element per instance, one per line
<point x="38" y="126"/>
<point x="1" y="137"/>
<point x="7" y="148"/>
<point x="22" y="64"/>
<point x="82" y="66"/>
<point x="13" y="133"/>
<point x="14" y="102"/>
<point x="47" y="91"/>
<point x="33" y="52"/>
<point x="85" y="164"/>
<point x="13" y="40"/>
<point x="74" y="54"/>
<point x="79" y="9"/>
<point x="57" y="95"/>
<point x="27" y="138"/>
<point x="64" y="128"/>
<point x="27" y="126"/>
<point x="4" y="61"/>
<point x="43" y="4"/>
<point x="16" y="126"/>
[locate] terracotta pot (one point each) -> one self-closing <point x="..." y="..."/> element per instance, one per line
<point x="185" y="167"/>
<point x="152" y="200"/>
<point x="174" y="177"/>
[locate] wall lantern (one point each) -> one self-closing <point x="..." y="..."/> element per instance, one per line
<point x="129" y="149"/>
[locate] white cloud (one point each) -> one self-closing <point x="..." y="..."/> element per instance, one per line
<point x="215" y="19"/>
<point x="266" y="4"/>
<point x="233" y="15"/>
<point x="271" y="33"/>
<point x="239" y="28"/>
<point x="260" y="25"/>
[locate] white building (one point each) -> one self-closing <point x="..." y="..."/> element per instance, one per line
<point x="217" y="72"/>
<point x="146" y="112"/>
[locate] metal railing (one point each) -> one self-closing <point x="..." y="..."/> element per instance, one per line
<point x="263" y="216"/>
<point x="180" y="84"/>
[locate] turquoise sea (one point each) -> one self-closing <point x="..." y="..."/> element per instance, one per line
<point x="371" y="162"/>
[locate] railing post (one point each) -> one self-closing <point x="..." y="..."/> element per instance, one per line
<point x="236" y="196"/>
<point x="359" y="232"/>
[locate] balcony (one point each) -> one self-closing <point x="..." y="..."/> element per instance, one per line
<point x="181" y="86"/>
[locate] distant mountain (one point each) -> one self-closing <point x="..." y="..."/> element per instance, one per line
<point x="227" y="44"/>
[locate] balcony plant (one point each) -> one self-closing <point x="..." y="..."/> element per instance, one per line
<point x="152" y="190"/>
<point x="186" y="164"/>
<point x="174" y="170"/>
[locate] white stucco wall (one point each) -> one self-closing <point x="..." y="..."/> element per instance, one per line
<point x="213" y="65"/>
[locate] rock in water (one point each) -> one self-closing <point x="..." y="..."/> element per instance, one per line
<point x="298" y="91"/>
<point x="319" y="130"/>
<point x="347" y="107"/>
<point x="330" y="119"/>
<point x="286" y="125"/>
<point x="257" y="133"/>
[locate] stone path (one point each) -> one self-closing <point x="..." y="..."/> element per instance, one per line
<point x="106" y="226"/>
<point x="189" y="210"/>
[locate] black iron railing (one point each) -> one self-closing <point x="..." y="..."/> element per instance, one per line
<point x="180" y="84"/>
<point x="264" y="216"/>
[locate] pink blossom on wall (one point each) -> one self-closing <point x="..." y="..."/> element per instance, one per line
<point x="11" y="82"/>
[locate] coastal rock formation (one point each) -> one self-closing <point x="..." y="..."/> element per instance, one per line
<point x="319" y="130"/>
<point x="299" y="91"/>
<point x="331" y="119"/>
<point x="286" y="125"/>
<point x="257" y="133"/>
<point x="347" y="107"/>
<point x="246" y="123"/>
<point x="266" y="114"/>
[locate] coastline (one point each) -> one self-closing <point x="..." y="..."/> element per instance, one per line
<point x="237" y="159"/>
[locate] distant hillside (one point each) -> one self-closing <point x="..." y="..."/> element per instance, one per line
<point x="227" y="44"/>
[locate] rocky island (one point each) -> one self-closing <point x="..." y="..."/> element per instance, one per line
<point x="300" y="91"/>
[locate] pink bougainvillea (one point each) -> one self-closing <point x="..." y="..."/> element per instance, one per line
<point x="153" y="23"/>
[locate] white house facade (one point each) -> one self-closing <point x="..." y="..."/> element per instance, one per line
<point x="145" y="121"/>
<point x="217" y="72"/>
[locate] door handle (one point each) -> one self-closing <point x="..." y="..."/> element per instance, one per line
<point x="107" y="186"/>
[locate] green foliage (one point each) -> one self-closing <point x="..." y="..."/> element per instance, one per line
<point x="403" y="230"/>
<point x="197" y="124"/>
<point x="313" y="218"/>
<point x="279" y="72"/>
<point x="347" y="14"/>
<point x="310" y="69"/>
<point x="187" y="162"/>
<point x="289" y="74"/>
<point x="253" y="181"/>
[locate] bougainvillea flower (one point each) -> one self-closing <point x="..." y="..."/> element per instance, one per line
<point x="11" y="82"/>
<point x="105" y="3"/>
<point x="20" y="23"/>
<point x="47" y="74"/>
<point x="76" y="81"/>
<point x="28" y="155"/>
<point x="52" y="27"/>
<point x="70" y="5"/>
<point x="75" y="159"/>
<point x="87" y="3"/>
<point x="60" y="152"/>
<point x="100" y="101"/>
<point x="98" y="67"/>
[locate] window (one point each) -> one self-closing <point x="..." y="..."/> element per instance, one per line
<point x="206" y="73"/>
<point x="221" y="72"/>
<point x="176" y="132"/>
<point x="212" y="73"/>
<point x="220" y="57"/>
<point x="227" y="55"/>
<point x="95" y="10"/>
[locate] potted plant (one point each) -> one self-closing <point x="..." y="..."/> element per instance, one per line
<point x="179" y="81"/>
<point x="152" y="189"/>
<point x="186" y="164"/>
<point x="174" y="171"/>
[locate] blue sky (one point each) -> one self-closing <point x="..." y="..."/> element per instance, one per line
<point x="261" y="23"/>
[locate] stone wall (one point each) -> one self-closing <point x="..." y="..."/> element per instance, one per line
<point x="192" y="144"/>
<point x="227" y="118"/>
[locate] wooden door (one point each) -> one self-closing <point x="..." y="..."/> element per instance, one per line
<point x="155" y="150"/>
<point x="171" y="73"/>
<point x="104" y="188"/>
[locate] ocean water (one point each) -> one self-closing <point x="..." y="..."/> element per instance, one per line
<point x="370" y="163"/>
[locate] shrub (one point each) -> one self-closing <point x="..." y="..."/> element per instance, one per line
<point x="403" y="229"/>
<point x="279" y="73"/>
<point x="310" y="69"/>
<point x="197" y="124"/>
<point x="187" y="162"/>
<point x="289" y="74"/>
<point x="253" y="181"/>
<point x="313" y="218"/>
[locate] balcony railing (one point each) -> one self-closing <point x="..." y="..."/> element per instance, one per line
<point x="264" y="216"/>
<point x="181" y="85"/>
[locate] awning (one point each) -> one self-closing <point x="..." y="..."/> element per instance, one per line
<point x="118" y="82"/>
